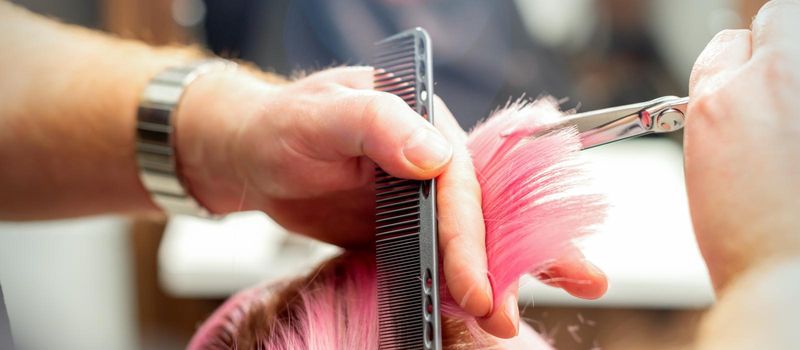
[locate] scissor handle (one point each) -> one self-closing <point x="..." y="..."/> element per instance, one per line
<point x="661" y="115"/>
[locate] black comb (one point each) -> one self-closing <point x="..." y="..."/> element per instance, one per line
<point x="406" y="241"/>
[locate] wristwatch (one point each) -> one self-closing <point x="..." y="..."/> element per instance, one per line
<point x="155" y="136"/>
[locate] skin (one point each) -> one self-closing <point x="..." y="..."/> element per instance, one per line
<point x="303" y="152"/>
<point x="66" y="127"/>
<point x="740" y="152"/>
<point x="743" y="179"/>
<point x="299" y="138"/>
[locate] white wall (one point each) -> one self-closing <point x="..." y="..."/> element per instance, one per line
<point x="69" y="284"/>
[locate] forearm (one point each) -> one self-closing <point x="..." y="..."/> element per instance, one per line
<point x="758" y="310"/>
<point x="68" y="99"/>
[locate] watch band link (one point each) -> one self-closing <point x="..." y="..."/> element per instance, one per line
<point x="155" y="133"/>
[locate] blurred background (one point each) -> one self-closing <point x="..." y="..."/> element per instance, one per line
<point x="130" y="283"/>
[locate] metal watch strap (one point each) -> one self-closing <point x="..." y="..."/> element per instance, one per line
<point x="155" y="131"/>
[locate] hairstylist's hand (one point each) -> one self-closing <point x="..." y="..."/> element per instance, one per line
<point x="300" y="153"/>
<point x="742" y="143"/>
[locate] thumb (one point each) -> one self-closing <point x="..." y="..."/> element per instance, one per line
<point x="382" y="127"/>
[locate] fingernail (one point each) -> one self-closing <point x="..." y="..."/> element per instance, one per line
<point x="593" y="269"/>
<point x="487" y="295"/>
<point x="427" y="149"/>
<point x="547" y="279"/>
<point x="512" y="312"/>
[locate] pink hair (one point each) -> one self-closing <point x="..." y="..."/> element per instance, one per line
<point x="531" y="216"/>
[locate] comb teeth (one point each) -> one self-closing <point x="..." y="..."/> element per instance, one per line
<point x="398" y="66"/>
<point x="398" y="262"/>
<point x="405" y="234"/>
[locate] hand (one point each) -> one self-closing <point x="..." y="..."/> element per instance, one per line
<point x="741" y="143"/>
<point x="303" y="153"/>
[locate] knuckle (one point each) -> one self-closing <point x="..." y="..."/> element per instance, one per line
<point x="305" y="85"/>
<point x="449" y="240"/>
<point x="377" y="104"/>
<point x="778" y="72"/>
<point x="702" y="68"/>
<point x="726" y="34"/>
<point x="772" y="10"/>
<point x="700" y="105"/>
<point x="708" y="62"/>
<point x="776" y="5"/>
<point x="389" y="100"/>
<point x="777" y="65"/>
<point x="372" y="117"/>
<point x="325" y="87"/>
<point x="372" y="109"/>
<point x="706" y="108"/>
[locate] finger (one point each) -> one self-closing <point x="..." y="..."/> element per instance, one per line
<point x="727" y="51"/>
<point x="355" y="77"/>
<point x="447" y="123"/>
<point x="776" y="26"/>
<point x="382" y="127"/>
<point x="503" y="322"/>
<point x="576" y="275"/>
<point x="461" y="226"/>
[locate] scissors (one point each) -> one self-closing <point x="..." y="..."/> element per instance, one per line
<point x="599" y="127"/>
